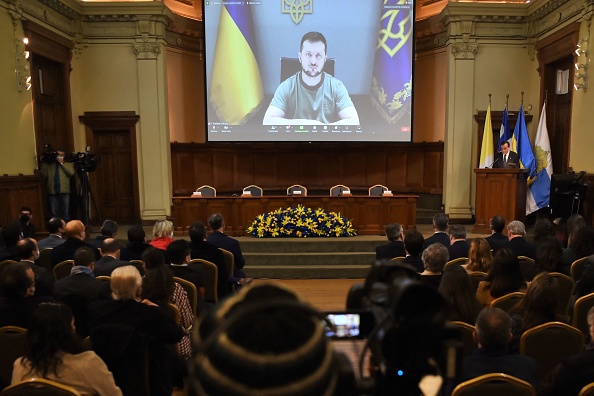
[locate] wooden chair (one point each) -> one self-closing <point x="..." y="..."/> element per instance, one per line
<point x="587" y="390"/>
<point x="565" y="289"/>
<point x="104" y="278"/>
<point x="458" y="261"/>
<point x="528" y="268"/>
<point x="580" y="313"/>
<point x="211" y="273"/>
<point x="397" y="258"/>
<point x="494" y="384"/>
<point x="476" y="277"/>
<point x="229" y="261"/>
<point x="39" y="386"/>
<point x="12" y="346"/>
<point x="192" y="293"/>
<point x="549" y="344"/>
<point x="207" y="191"/>
<point x="508" y="301"/>
<point x="254" y="191"/>
<point x="577" y="268"/>
<point x="377" y="190"/>
<point x="62" y="270"/>
<point x="45" y="258"/>
<point x="173" y="312"/>
<point x="297" y="189"/>
<point x="338" y="190"/>
<point x="467" y="337"/>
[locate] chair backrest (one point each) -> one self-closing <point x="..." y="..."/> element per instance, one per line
<point x="39" y="386"/>
<point x="337" y="190"/>
<point x="297" y="188"/>
<point x="508" y="301"/>
<point x="104" y="278"/>
<point x="191" y="291"/>
<point x="476" y="277"/>
<point x="580" y="313"/>
<point x="211" y="273"/>
<point x="229" y="261"/>
<point x="528" y="268"/>
<point x="494" y="384"/>
<point x="377" y="190"/>
<point x="467" y="331"/>
<point x="397" y="258"/>
<point x="587" y="390"/>
<point x="549" y="344"/>
<point x="62" y="270"/>
<point x="254" y="190"/>
<point x="45" y="258"/>
<point x="12" y="346"/>
<point x="290" y="66"/>
<point x="207" y="191"/>
<point x="565" y="289"/>
<point x="173" y="311"/>
<point x="457" y="261"/>
<point x="577" y="268"/>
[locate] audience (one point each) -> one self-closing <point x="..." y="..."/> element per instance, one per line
<point x="479" y="256"/>
<point x="74" y="231"/>
<point x="163" y="233"/>
<point x="440" y="225"/>
<point x="549" y="255"/>
<point x="28" y="229"/>
<point x="136" y="244"/>
<point x="109" y="229"/>
<point x="29" y="252"/>
<point x="458" y="247"/>
<point x="395" y="248"/>
<point x="504" y="277"/>
<point x="497" y="240"/>
<point x="457" y="289"/>
<point x="55" y="226"/>
<point x="574" y="223"/>
<point x="543" y="229"/>
<point x="53" y="351"/>
<point x="11" y="234"/>
<point x="516" y="232"/>
<point x="413" y="247"/>
<point x="434" y="258"/>
<point x="220" y="240"/>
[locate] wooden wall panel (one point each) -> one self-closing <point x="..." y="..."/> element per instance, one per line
<point x="405" y="168"/>
<point x="19" y="191"/>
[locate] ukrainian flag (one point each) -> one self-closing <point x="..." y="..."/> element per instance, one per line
<point x="236" y="90"/>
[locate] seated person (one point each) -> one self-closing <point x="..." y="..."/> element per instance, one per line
<point x="516" y="232"/>
<point x="504" y="277"/>
<point x="311" y="96"/>
<point x="458" y="247"/>
<point x="29" y="252"/>
<point x="109" y="229"/>
<point x="110" y="259"/>
<point x="11" y="234"/>
<point x="163" y="233"/>
<point x="75" y="234"/>
<point x="434" y="258"/>
<point x="413" y="246"/>
<point x="55" y="226"/>
<point x="497" y="240"/>
<point x="220" y="240"/>
<point x="136" y="244"/>
<point x="395" y="248"/>
<point x="53" y="351"/>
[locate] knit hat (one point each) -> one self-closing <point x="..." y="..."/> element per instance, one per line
<point x="263" y="341"/>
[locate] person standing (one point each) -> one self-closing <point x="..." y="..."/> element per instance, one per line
<point x="57" y="175"/>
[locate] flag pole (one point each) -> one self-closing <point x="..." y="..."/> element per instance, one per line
<point x="546" y="95"/>
<point x="489" y="99"/>
<point x="522" y="101"/>
<point x="506" y="101"/>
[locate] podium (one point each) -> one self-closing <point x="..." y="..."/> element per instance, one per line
<point x="499" y="192"/>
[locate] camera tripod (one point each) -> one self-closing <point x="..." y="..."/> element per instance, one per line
<point x="87" y="193"/>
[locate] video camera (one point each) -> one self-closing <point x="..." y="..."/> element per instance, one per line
<point x="84" y="161"/>
<point x="49" y="154"/>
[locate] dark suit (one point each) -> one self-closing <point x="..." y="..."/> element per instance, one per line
<point x="497" y="240"/>
<point x="19" y="312"/>
<point x="484" y="361"/>
<point x="513" y="160"/>
<point x="98" y="241"/>
<point x="44" y="279"/>
<point x="66" y="250"/>
<point x="390" y="250"/>
<point x="50" y="242"/>
<point x="106" y="265"/>
<point x="206" y="251"/>
<point x="133" y="251"/>
<point x="521" y="247"/>
<point x="574" y="373"/>
<point x="9" y="253"/>
<point x="414" y="261"/>
<point x="222" y="241"/>
<point x="191" y="273"/>
<point x="458" y="249"/>
<point x="438" y="237"/>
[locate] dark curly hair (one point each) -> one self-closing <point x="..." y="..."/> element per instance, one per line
<point x="157" y="283"/>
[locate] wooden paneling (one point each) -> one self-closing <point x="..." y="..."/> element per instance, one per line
<point x="404" y="168"/>
<point x="19" y="191"/>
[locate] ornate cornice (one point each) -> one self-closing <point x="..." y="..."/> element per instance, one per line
<point x="147" y="50"/>
<point x="464" y="51"/>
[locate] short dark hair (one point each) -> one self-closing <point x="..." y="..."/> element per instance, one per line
<point x="14" y="280"/>
<point x="178" y="250"/>
<point x="497" y="223"/>
<point x="458" y="231"/>
<point x="84" y="256"/>
<point x="441" y="221"/>
<point x="393" y="231"/>
<point x="314" y="37"/>
<point x="109" y="228"/>
<point x="11" y="233"/>
<point x="413" y="242"/>
<point x="54" y="224"/>
<point x="25" y="248"/>
<point x="111" y="245"/>
<point x="216" y="221"/>
<point x="504" y="143"/>
<point x="136" y="233"/>
<point x="493" y="327"/>
<point x="153" y="257"/>
<point x="197" y="232"/>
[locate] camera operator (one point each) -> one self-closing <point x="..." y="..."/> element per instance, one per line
<point x="57" y="174"/>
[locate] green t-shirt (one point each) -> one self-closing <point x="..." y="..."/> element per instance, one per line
<point x="322" y="102"/>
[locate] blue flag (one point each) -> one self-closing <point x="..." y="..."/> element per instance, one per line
<point x="525" y="152"/>
<point x="504" y="132"/>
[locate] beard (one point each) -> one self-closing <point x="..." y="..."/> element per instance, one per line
<point x="313" y="71"/>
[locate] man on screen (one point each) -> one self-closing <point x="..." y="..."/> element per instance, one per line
<point x="506" y="158"/>
<point x="311" y="96"/>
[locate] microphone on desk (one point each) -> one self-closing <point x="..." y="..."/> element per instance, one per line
<point x="494" y="162"/>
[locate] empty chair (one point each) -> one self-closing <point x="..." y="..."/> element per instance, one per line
<point x="467" y="331"/>
<point x="338" y="190"/>
<point x="577" y="268"/>
<point x="297" y="189"/>
<point x="580" y="313"/>
<point x="549" y="344"/>
<point x="508" y="301"/>
<point x="62" y="270"/>
<point x="211" y="273"/>
<point x="253" y="190"/>
<point x="528" y="268"/>
<point x="377" y="190"/>
<point x="41" y="387"/>
<point x="207" y="191"/>
<point x="496" y="384"/>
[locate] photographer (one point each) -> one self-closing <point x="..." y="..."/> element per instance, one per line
<point x="57" y="174"/>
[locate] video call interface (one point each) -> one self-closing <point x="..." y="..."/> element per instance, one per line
<point x="262" y="84"/>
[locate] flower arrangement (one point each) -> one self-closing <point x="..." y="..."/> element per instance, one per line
<point x="300" y="222"/>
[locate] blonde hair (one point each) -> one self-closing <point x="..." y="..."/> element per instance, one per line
<point x="125" y="282"/>
<point x="74" y="228"/>
<point x="163" y="228"/>
<point x="479" y="255"/>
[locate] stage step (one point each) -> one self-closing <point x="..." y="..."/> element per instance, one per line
<point x="365" y="243"/>
<point x="307" y="271"/>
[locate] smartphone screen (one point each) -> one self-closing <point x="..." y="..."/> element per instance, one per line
<point x="345" y="325"/>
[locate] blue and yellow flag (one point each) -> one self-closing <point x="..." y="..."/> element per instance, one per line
<point x="391" y="87"/>
<point x="505" y="133"/>
<point x="236" y="90"/>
